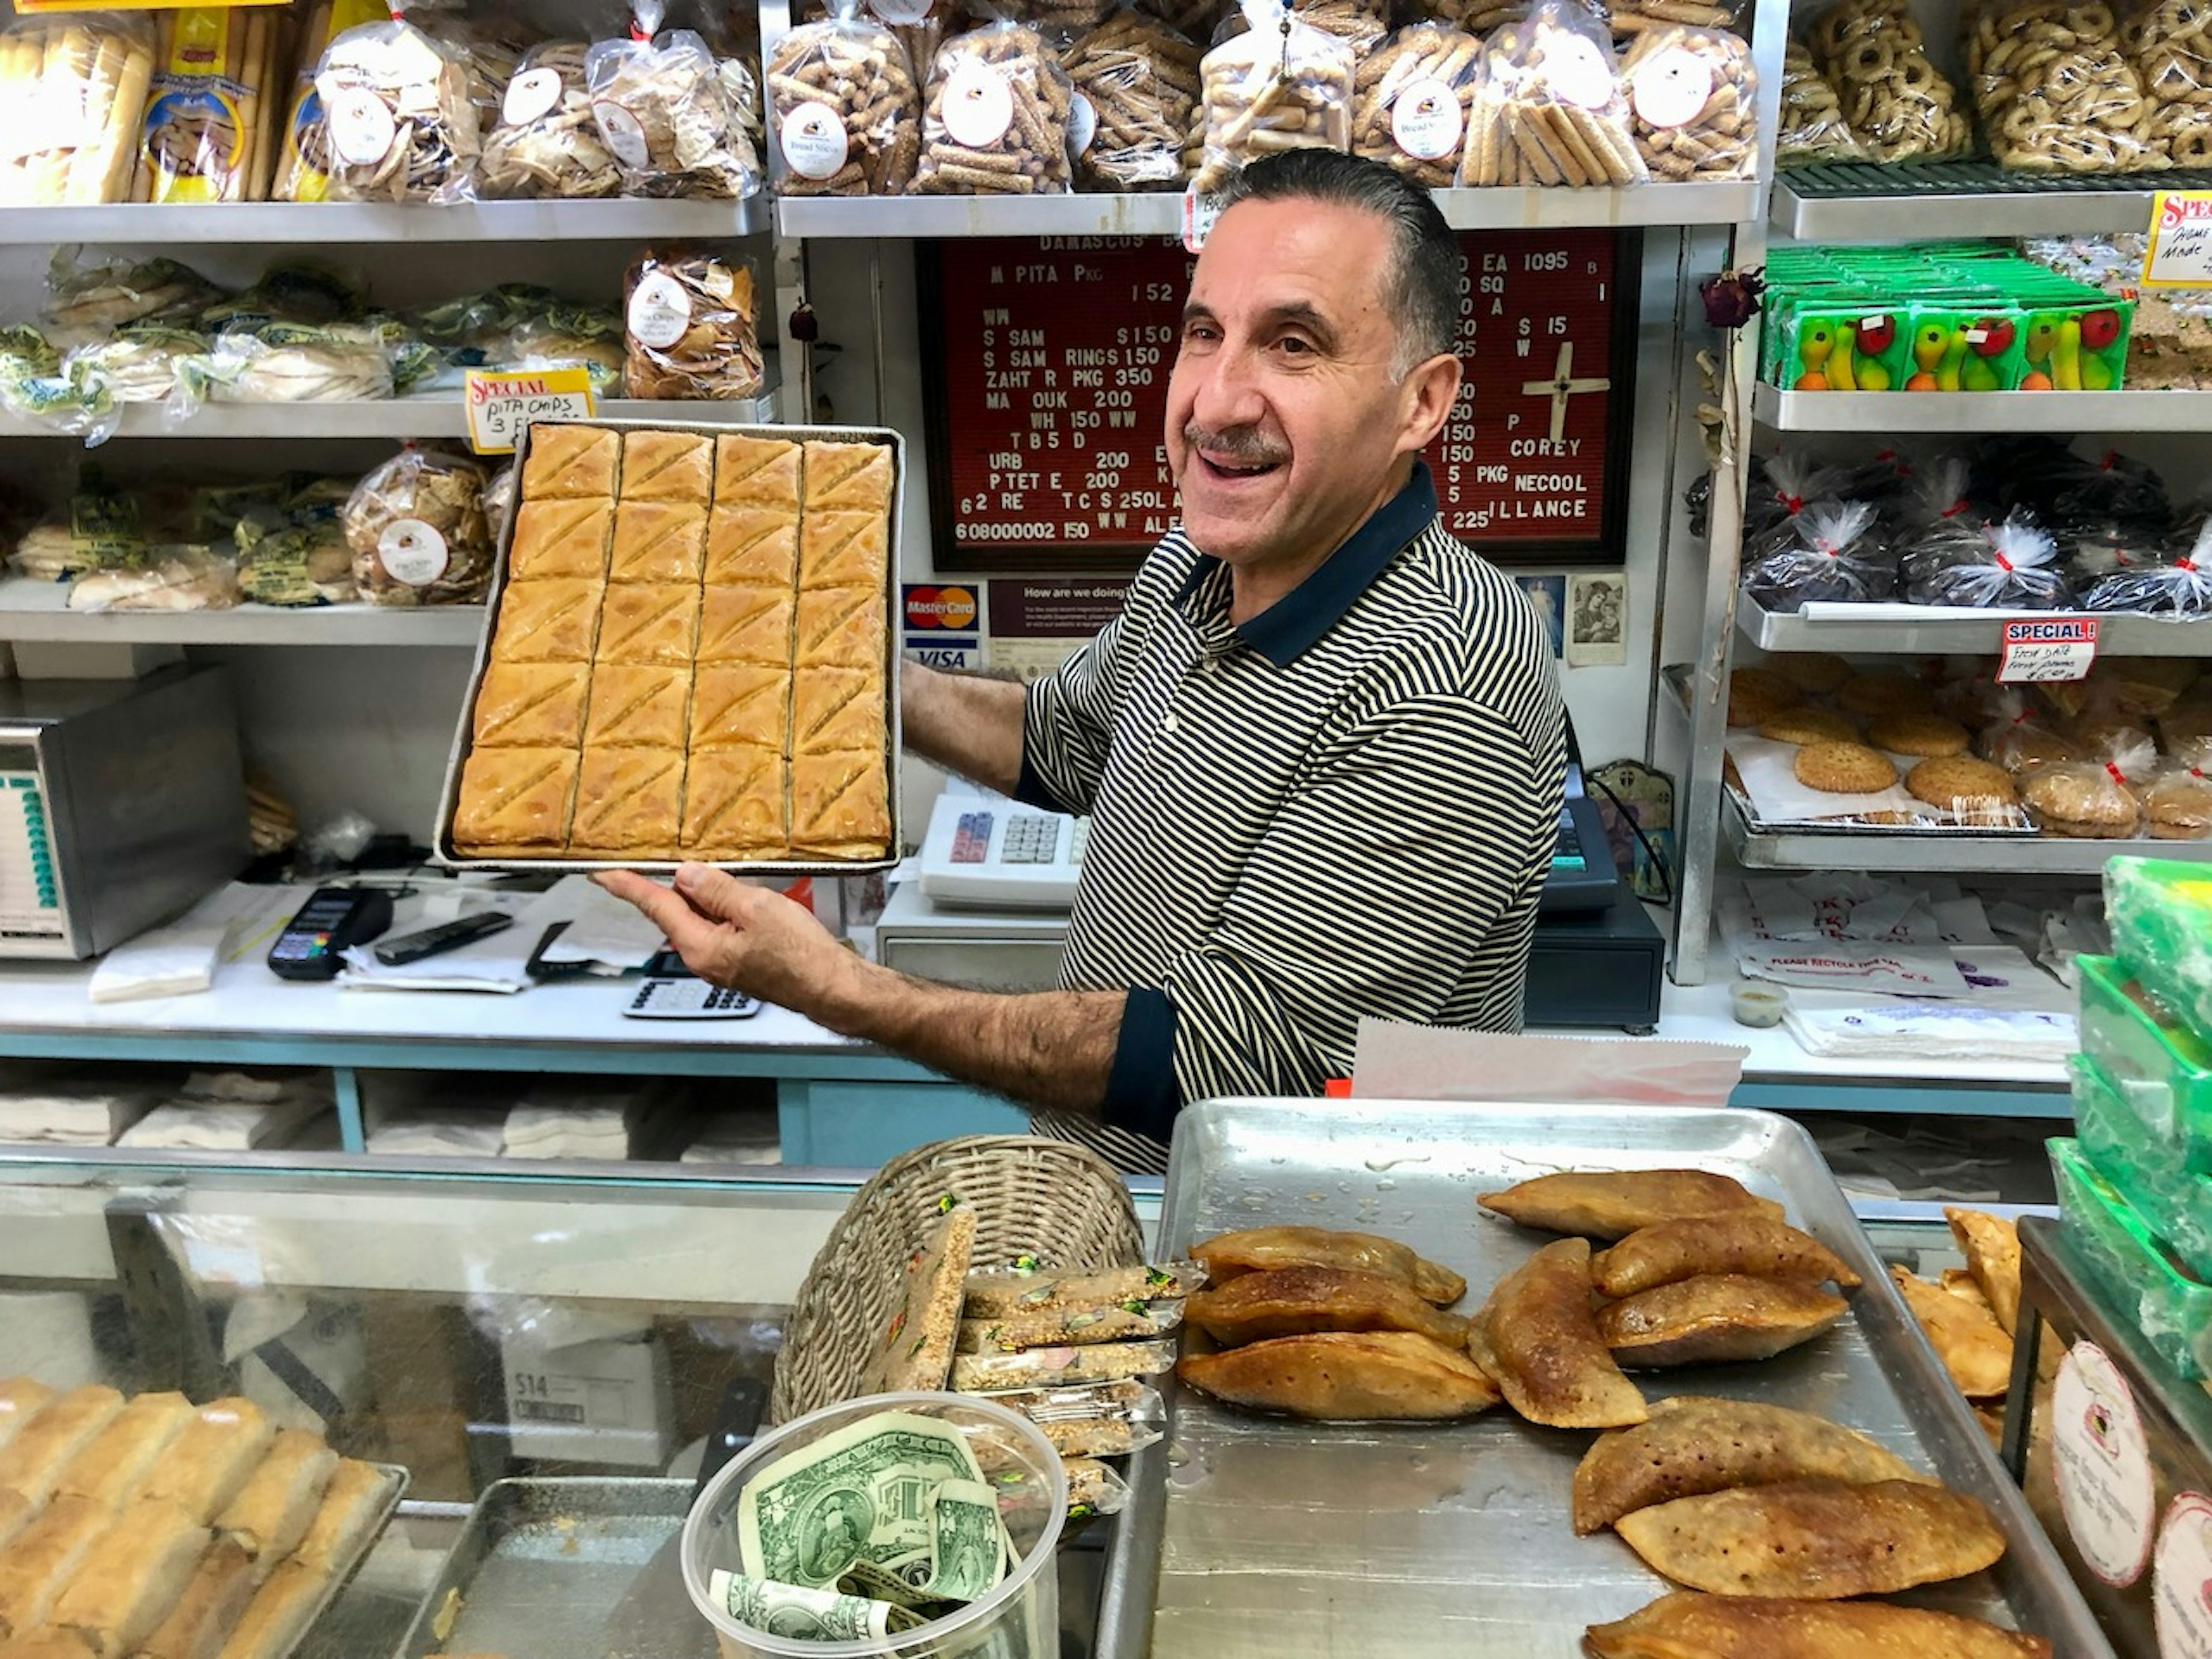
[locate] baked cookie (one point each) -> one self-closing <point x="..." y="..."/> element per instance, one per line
<point x="2022" y="745"/>
<point x="2177" y="806"/>
<point x="1809" y="726"/>
<point x="1816" y="673"/>
<point x="1884" y="694"/>
<point x="1929" y="735"/>
<point x="2083" y="801"/>
<point x="1845" y="769"/>
<point x="1756" y="694"/>
<point x="1960" y="782"/>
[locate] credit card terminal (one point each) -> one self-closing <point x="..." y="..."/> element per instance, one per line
<point x="313" y="943"/>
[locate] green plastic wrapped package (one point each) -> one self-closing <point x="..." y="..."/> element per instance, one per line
<point x="2126" y="1261"/>
<point x="2176" y="1203"/>
<point x="2160" y="910"/>
<point x="2161" y="1069"/>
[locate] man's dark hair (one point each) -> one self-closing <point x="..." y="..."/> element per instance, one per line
<point x="1421" y="287"/>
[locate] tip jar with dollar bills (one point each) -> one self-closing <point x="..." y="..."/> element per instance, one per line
<point x="918" y="1525"/>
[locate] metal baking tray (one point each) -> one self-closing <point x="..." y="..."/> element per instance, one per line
<point x="396" y="1478"/>
<point x="1264" y="1536"/>
<point x="540" y="1563"/>
<point x="442" y="851"/>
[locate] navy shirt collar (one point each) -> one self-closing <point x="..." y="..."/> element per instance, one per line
<point x="1286" y="629"/>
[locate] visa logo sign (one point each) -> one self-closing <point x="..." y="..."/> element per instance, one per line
<point x="947" y="651"/>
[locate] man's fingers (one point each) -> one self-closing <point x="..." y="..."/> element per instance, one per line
<point x="714" y="892"/>
<point x="686" y="929"/>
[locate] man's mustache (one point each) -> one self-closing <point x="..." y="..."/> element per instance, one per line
<point x="1246" y="446"/>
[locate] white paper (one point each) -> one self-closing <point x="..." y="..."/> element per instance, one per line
<point x="497" y="963"/>
<point x="1394" y="1062"/>
<point x="1769" y="771"/>
<point x="609" y="933"/>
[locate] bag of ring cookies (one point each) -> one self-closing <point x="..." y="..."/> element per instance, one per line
<point x="2055" y="91"/>
<point x="2169" y="43"/>
<point x="1897" y="104"/>
<point x="1692" y="100"/>
<point x="844" y="114"/>
<point x="1410" y="99"/>
<point x="996" y="121"/>
<point x="1136" y="84"/>
<point x="1552" y="110"/>
<point x="1282" y="85"/>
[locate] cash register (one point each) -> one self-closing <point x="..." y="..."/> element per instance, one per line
<point x="996" y="878"/>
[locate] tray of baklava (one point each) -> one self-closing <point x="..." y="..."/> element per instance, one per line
<point x="149" y="1527"/>
<point x="687" y="655"/>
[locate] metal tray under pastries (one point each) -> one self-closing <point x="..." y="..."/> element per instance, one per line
<point x="443" y="851"/>
<point x="540" y="1563"/>
<point x="1265" y="1536"/>
<point x="396" y="1478"/>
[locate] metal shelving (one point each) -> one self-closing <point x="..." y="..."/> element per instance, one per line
<point x="40" y="610"/>
<point x="1936" y="851"/>
<point x="832" y="217"/>
<point x="1982" y="411"/>
<point x="284" y="223"/>
<point x="1915" y="629"/>
<point x="397" y="419"/>
<point x="1862" y="202"/>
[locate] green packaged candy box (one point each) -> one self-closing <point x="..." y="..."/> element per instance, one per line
<point x="2172" y="1310"/>
<point x="2161" y="911"/>
<point x="2141" y="1168"/>
<point x="2157" y="1068"/>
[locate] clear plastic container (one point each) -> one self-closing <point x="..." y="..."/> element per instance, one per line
<point x="2160" y="910"/>
<point x="2173" y="1310"/>
<point x="1018" y="1619"/>
<point x="2159" y="1069"/>
<point x="2141" y="1167"/>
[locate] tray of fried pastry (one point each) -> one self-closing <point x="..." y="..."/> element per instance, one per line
<point x="148" y="1526"/>
<point x="687" y="655"/>
<point x="1500" y="1380"/>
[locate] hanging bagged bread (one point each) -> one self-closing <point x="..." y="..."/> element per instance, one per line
<point x="996" y="121"/>
<point x="666" y="116"/>
<point x="844" y="114"/>
<point x="1136" y="83"/>
<point x="401" y="110"/>
<point x="690" y="328"/>
<point x="1282" y="85"/>
<point x="73" y="91"/>
<point x="1692" y="97"/>
<point x="418" y="532"/>
<point x="1410" y="97"/>
<point x="205" y="129"/>
<point x="303" y="172"/>
<point x="1552" y="111"/>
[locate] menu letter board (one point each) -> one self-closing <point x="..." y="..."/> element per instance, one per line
<point x="1046" y="364"/>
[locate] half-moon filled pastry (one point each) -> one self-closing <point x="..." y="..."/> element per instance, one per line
<point x="1346" y="1377"/>
<point x="1716" y="1318"/>
<point x="530" y="705"/>
<point x="840" y="806"/>
<point x="751" y="471"/>
<point x="1688" y="1625"/>
<point x="1259" y="1249"/>
<point x="839" y="628"/>
<point x="1743" y="1242"/>
<point x="1695" y="1444"/>
<point x="552" y="620"/>
<point x="111" y="1469"/>
<point x="561" y="538"/>
<point x="854" y="476"/>
<point x="35" y="1458"/>
<point x="1815" y="1540"/>
<point x="570" y="461"/>
<point x="1966" y="1338"/>
<point x="652" y="624"/>
<point x="836" y="709"/>
<point x="214" y="1456"/>
<point x="843" y="550"/>
<point x="733" y="803"/>
<point x="755" y="545"/>
<point x="630" y="804"/>
<point x="1991" y="1245"/>
<point x="638" y="708"/>
<point x="740" y="703"/>
<point x="658" y="542"/>
<point x="668" y="467"/>
<point x="1611" y="1204"/>
<point x="1536" y="1338"/>
<point x="1294" y="1301"/>
<point x="515" y="800"/>
<point x="747" y="624"/>
<point x="131" y="1578"/>
<point x="272" y="1512"/>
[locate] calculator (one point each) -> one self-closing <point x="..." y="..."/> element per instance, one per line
<point x="669" y="991"/>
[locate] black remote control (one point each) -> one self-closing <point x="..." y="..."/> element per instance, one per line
<point x="450" y="935"/>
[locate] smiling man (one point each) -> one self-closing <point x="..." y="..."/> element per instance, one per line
<point x="1322" y="748"/>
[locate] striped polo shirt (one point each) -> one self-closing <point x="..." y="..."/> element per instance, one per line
<point x="1346" y="805"/>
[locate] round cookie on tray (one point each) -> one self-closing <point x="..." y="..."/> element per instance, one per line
<point x="1756" y="693"/>
<point x="1809" y="726"/>
<point x="1915" y="734"/>
<point x="1845" y="769"/>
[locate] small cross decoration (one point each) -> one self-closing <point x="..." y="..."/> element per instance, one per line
<point x="1562" y="385"/>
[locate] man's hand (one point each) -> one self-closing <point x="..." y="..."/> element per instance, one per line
<point x="736" y="935"/>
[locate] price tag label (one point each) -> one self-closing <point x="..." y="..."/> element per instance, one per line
<point x="2179" y="254"/>
<point x="501" y="405"/>
<point x="2047" y="650"/>
<point x="1199" y="213"/>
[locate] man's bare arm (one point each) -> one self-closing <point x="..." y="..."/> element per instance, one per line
<point x="964" y="723"/>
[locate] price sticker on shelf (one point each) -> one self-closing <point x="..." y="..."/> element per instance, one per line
<point x="501" y="405"/>
<point x="2179" y="252"/>
<point x="2047" y="649"/>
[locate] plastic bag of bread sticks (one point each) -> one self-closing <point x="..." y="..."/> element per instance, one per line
<point x="204" y="128"/>
<point x="1362" y="23"/>
<point x="1560" y="103"/>
<point x="1632" y="18"/>
<point x="844" y="112"/>
<point x="665" y="114"/>
<point x="919" y="25"/>
<point x="995" y="122"/>
<point x="1899" y="106"/>
<point x="1410" y="100"/>
<point x="75" y="88"/>
<point x="302" y="168"/>
<point x="401" y="109"/>
<point x="1282" y="85"/>
<point x="1136" y="84"/>
<point x="1024" y="1287"/>
<point x="1692" y="100"/>
<point x="1192" y="19"/>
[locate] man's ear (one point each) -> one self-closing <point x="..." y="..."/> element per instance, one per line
<point x="1426" y="401"/>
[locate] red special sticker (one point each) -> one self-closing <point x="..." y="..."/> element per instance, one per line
<point x="950" y="610"/>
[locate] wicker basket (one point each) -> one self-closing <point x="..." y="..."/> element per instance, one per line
<point x="1045" y="1197"/>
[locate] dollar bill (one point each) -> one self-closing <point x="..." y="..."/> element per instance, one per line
<point x="855" y="1501"/>
<point x="967" y="1544"/>
<point x="806" y="1614"/>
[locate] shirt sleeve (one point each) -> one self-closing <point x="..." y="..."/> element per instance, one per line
<point x="1417" y="832"/>
<point x="1067" y="726"/>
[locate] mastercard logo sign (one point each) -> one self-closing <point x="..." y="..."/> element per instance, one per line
<point x="942" y="610"/>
